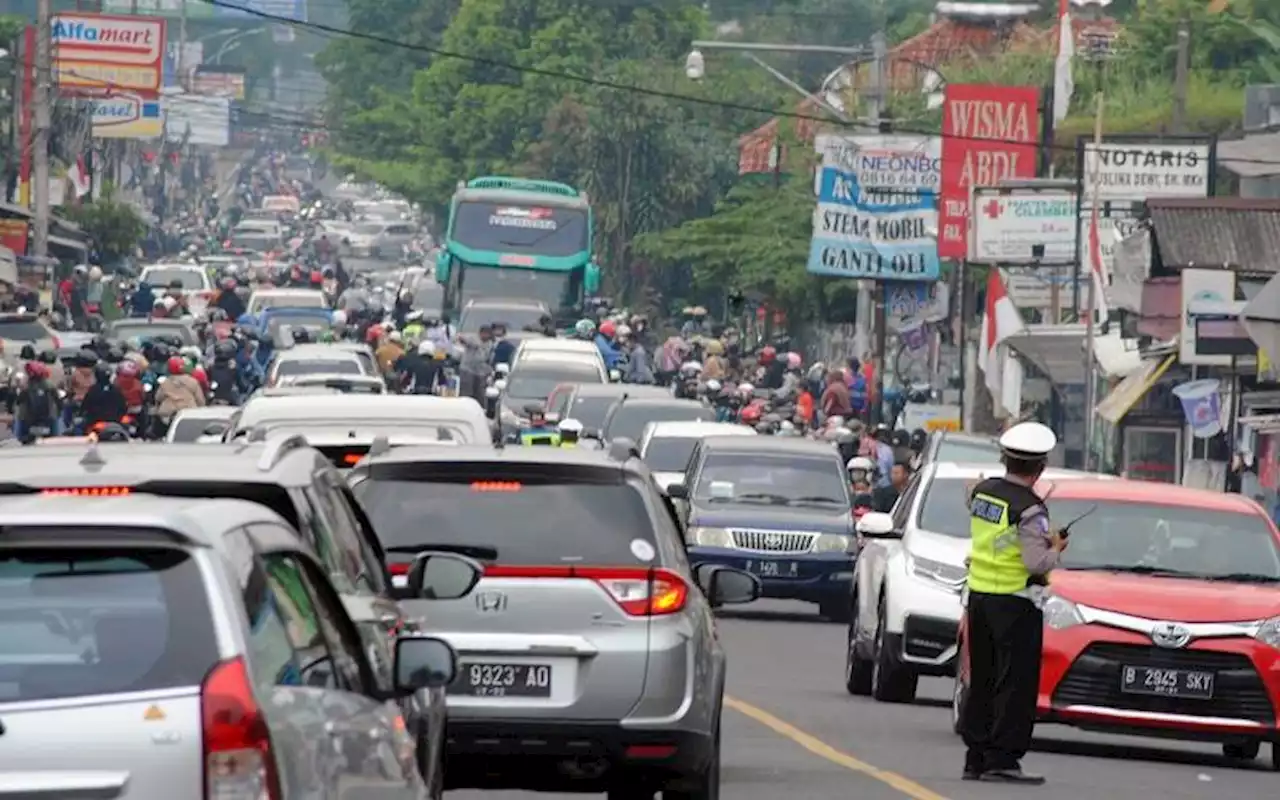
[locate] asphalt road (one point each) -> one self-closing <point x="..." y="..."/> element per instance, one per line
<point x="791" y="730"/>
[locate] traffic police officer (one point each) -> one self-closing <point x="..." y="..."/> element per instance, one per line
<point x="539" y="431"/>
<point x="1012" y="551"/>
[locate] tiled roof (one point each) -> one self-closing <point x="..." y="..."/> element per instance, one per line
<point x="1237" y="233"/>
<point x="755" y="149"/>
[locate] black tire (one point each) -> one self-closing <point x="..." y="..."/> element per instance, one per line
<point x="1243" y="751"/>
<point x="1275" y="756"/>
<point x="707" y="784"/>
<point x="857" y="670"/>
<point x="836" y="611"/>
<point x="891" y="681"/>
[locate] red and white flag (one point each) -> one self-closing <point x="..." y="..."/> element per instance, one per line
<point x="1000" y="321"/>
<point x="1063" y="84"/>
<point x="81" y="181"/>
<point x="1097" y="267"/>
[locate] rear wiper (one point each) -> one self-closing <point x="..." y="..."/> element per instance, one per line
<point x="775" y="499"/>
<point x="1135" y="569"/>
<point x="1242" y="577"/>
<point x="817" y="499"/>
<point x="480" y="552"/>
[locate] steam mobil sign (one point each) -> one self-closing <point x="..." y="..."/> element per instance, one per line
<point x="877" y="211"/>
<point x="127" y="116"/>
<point x="101" y="53"/>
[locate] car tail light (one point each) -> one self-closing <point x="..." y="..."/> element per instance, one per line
<point x="90" y="491"/>
<point x="639" y="591"/>
<point x="238" y="759"/>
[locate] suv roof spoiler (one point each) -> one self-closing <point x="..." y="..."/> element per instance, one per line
<point x="276" y="449"/>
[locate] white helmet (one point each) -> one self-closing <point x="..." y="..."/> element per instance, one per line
<point x="691" y="367"/>
<point x="713" y="386"/>
<point x="623" y="331"/>
<point x="95" y="273"/>
<point x="339" y="317"/>
<point x="746" y="388"/>
<point x="860" y="463"/>
<point x="395" y="336"/>
<point x="570" y="426"/>
<point x="191" y="351"/>
<point x="169" y="303"/>
<point x="427" y="348"/>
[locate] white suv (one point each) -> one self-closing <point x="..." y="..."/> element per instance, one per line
<point x="908" y="579"/>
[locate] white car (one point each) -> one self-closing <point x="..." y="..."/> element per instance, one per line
<point x="346" y="451"/>
<point x="196" y="285"/>
<point x="667" y="446"/>
<point x="203" y="425"/>
<point x="544" y="348"/>
<point x="905" y="608"/>
<point x="259" y="227"/>
<point x="286" y="298"/>
<point x="458" y="418"/>
<point x="346" y="384"/>
<point x="314" y="359"/>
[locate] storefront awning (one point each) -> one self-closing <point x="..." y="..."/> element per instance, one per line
<point x="1059" y="352"/>
<point x="70" y="244"/>
<point x="1129" y="391"/>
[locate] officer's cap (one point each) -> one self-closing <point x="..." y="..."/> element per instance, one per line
<point x="1028" y="441"/>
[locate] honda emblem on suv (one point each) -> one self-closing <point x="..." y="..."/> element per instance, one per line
<point x="1170" y="635"/>
<point x="491" y="601"/>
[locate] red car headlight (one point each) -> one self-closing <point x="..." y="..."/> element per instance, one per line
<point x="1269" y="632"/>
<point x="1060" y="613"/>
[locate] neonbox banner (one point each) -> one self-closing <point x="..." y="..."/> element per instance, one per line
<point x="102" y="52"/>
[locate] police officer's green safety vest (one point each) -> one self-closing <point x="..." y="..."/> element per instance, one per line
<point x="995" y="557"/>
<point x="537" y="437"/>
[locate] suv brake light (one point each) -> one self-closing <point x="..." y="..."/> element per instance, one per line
<point x="639" y="591"/>
<point x="238" y="759"/>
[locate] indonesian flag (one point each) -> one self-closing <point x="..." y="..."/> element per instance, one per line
<point x="1063" y="85"/>
<point x="1001" y="371"/>
<point x="1097" y="267"/>
<point x="81" y="182"/>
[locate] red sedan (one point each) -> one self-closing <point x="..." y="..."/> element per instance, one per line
<point x="1165" y="619"/>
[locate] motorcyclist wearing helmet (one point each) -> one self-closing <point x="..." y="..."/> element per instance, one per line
<point x="228" y="300"/>
<point x="504" y="349"/>
<point x="585" y="330"/>
<point x="713" y="363"/>
<point x="177" y="392"/>
<point x="37" y="404"/>
<point x="862" y="475"/>
<point x="570" y="432"/>
<point x="639" y="365"/>
<point x="774" y="368"/>
<point x="419" y="370"/>
<point x="547" y="325"/>
<point x="104" y="401"/>
<point x="696" y="323"/>
<point x="129" y="382"/>
<point x="686" y="386"/>
<point x="224" y="377"/>
<point x="338" y="324"/>
<point x="604" y="339"/>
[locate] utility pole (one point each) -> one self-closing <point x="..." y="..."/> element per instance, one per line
<point x="43" y="122"/>
<point x="868" y="291"/>
<point x="1100" y="49"/>
<point x="179" y="59"/>
<point x="1181" y="68"/>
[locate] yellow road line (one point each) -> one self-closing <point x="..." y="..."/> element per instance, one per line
<point x="821" y="749"/>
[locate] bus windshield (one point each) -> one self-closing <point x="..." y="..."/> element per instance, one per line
<point x="522" y="230"/>
<point x="557" y="289"/>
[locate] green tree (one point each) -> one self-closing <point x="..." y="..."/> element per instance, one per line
<point x="115" y="227"/>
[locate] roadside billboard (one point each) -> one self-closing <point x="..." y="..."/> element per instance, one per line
<point x="219" y="82"/>
<point x="1022" y="226"/>
<point x="127" y="116"/>
<point x="97" y="53"/>
<point x="990" y="135"/>
<point x="877" y="211"/>
<point x="293" y="10"/>
<point x="198" y="120"/>
<point x="172" y="9"/>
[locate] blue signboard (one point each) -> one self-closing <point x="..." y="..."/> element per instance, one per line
<point x="295" y="10"/>
<point x="877" y="211"/>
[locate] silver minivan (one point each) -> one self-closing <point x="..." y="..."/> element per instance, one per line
<point x="171" y="647"/>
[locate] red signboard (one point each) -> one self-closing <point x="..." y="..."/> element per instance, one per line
<point x="13" y="235"/>
<point x="990" y="134"/>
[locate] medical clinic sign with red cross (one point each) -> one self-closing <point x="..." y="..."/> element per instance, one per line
<point x="989" y="134"/>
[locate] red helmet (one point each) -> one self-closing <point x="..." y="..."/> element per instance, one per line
<point x="768" y="354"/>
<point x="317" y="276"/>
<point x="372" y="335"/>
<point x="36" y="371"/>
<point x="750" y="415"/>
<point x="608" y="329"/>
<point x="176" y="365"/>
<point x="201" y="377"/>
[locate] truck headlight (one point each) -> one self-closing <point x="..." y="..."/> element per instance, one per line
<point x="1060" y="613"/>
<point x="709" y="537"/>
<point x="832" y="543"/>
<point x="1269" y="632"/>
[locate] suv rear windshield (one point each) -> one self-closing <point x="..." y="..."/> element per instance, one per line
<point x="669" y="453"/>
<point x="530" y="516"/>
<point x="77" y="621"/>
<point x="18" y="330"/>
<point x="629" y="419"/>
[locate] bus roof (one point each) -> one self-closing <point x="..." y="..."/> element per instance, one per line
<point x="521" y="197"/>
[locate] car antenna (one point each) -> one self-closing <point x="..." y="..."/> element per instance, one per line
<point x="93" y="458"/>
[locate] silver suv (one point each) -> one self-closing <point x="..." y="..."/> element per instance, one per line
<point x="171" y="647"/>
<point x="588" y="654"/>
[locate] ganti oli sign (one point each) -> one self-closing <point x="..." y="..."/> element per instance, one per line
<point x="990" y="134"/>
<point x="101" y="52"/>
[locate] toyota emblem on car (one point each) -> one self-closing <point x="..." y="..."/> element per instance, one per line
<point x="1170" y="635"/>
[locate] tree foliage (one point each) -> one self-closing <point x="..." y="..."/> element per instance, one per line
<point x="115" y="227"/>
